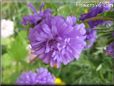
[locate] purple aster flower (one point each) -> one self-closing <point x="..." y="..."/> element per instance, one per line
<point x="41" y="76"/>
<point x="93" y="12"/>
<point x="91" y="37"/>
<point x="27" y="78"/>
<point x="37" y="17"/>
<point x="110" y="49"/>
<point x="44" y="77"/>
<point x="57" y="40"/>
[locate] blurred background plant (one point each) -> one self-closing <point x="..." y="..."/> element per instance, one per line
<point x="93" y="67"/>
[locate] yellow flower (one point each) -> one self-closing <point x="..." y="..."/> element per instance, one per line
<point x="58" y="81"/>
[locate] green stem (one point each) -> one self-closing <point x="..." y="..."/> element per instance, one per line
<point x="98" y="18"/>
<point x="106" y="31"/>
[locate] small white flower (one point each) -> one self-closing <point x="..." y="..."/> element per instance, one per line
<point x="7" y="28"/>
<point x="28" y="47"/>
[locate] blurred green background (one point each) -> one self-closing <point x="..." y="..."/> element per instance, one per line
<point x="93" y="67"/>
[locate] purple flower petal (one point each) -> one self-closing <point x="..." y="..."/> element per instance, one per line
<point x="41" y="76"/>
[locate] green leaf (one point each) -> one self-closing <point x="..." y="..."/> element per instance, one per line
<point x="18" y="47"/>
<point x="109" y="14"/>
<point x="7" y="59"/>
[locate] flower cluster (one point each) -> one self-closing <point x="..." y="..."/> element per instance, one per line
<point x="93" y="12"/>
<point x="41" y="76"/>
<point x="55" y="39"/>
<point x="93" y="23"/>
